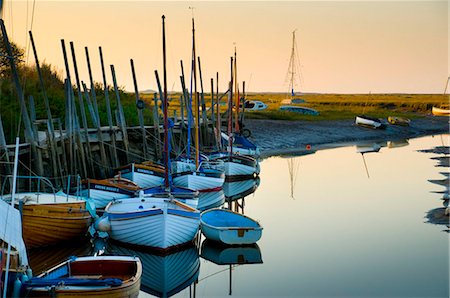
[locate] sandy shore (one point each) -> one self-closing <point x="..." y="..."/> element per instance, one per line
<point x="279" y="137"/>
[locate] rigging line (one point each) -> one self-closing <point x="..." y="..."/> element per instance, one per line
<point x="218" y="272"/>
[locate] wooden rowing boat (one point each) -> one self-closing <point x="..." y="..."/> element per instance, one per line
<point x="103" y="276"/>
<point x="48" y="219"/>
<point x="229" y="227"/>
<point x="146" y="174"/>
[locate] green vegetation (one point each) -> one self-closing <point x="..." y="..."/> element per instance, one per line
<point x="334" y="106"/>
<point x="54" y="85"/>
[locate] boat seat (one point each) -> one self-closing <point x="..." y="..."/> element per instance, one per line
<point x="42" y="282"/>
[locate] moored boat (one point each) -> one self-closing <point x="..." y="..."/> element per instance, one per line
<point x="146" y="174"/>
<point x="104" y="191"/>
<point x="101" y="276"/>
<point x="209" y="175"/>
<point x="49" y="218"/>
<point x="240" y="188"/>
<point x="229" y="227"/>
<point x="157" y="223"/>
<point x="238" y="166"/>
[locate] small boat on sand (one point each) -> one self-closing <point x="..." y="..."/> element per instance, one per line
<point x="370" y="122"/>
<point x="441" y="111"/>
<point x="299" y="110"/>
<point x="101" y="276"/>
<point x="229" y="227"/>
<point x="394" y="120"/>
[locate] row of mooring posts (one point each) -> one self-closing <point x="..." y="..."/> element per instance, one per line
<point x="69" y="147"/>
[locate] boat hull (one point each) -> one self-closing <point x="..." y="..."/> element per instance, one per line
<point x="45" y="224"/>
<point x="159" y="224"/>
<point x="198" y="180"/>
<point x="398" y="121"/>
<point x="144" y="176"/>
<point x="440" y="112"/>
<point x="128" y="269"/>
<point x="229" y="227"/>
<point x="368" y="122"/>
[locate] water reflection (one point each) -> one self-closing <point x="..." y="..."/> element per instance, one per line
<point x="164" y="276"/>
<point x="234" y="190"/>
<point x="210" y="199"/>
<point x="42" y="259"/>
<point x="440" y="215"/>
<point x="221" y="254"/>
<point x="230" y="256"/>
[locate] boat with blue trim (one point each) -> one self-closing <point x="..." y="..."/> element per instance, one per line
<point x="229" y="227"/>
<point x="154" y="222"/>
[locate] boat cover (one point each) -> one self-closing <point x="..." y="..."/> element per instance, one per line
<point x="11" y="230"/>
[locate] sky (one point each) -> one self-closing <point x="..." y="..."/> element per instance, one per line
<point x="343" y="46"/>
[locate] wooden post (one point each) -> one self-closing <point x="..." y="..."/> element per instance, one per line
<point x="82" y="110"/>
<point x="39" y="165"/>
<point x="156" y="126"/>
<point x="98" y="124"/>
<point x="114" y="157"/>
<point x="139" y="106"/>
<point x="122" y="122"/>
<point x="53" y="148"/>
<point x="69" y="127"/>
<point x="70" y="95"/>
<point x="219" y="121"/>
<point x="5" y="149"/>
<point x="204" y="118"/>
<point x="63" y="147"/>
<point x="23" y="107"/>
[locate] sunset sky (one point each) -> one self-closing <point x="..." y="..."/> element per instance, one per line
<point x="344" y="46"/>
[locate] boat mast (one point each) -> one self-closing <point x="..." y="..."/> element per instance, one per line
<point x="197" y="114"/>
<point x="236" y="94"/>
<point x="166" y="123"/>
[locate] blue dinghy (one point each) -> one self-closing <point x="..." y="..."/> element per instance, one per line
<point x="229" y="227"/>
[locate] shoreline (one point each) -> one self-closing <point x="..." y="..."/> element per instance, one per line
<point x="282" y="137"/>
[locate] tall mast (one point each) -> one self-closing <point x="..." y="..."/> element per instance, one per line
<point x="292" y="64"/>
<point x="166" y="122"/>
<point x="197" y="152"/>
<point x="236" y="94"/>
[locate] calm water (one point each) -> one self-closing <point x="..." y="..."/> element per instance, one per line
<point x="336" y="224"/>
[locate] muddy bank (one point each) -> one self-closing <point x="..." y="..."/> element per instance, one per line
<point x="278" y="137"/>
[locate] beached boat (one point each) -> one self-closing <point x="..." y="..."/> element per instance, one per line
<point x="101" y="276"/>
<point x="366" y="121"/>
<point x="164" y="275"/>
<point x="154" y="222"/>
<point x="229" y="227"/>
<point x="254" y="105"/>
<point x="49" y="218"/>
<point x="394" y="120"/>
<point x="146" y="174"/>
<point x="441" y="111"/>
<point x="104" y="191"/>
<point x="299" y="110"/>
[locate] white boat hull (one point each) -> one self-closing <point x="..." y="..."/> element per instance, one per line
<point x="144" y="180"/>
<point x="367" y="122"/>
<point x="136" y="222"/>
<point x="232" y="235"/>
<point x="237" y="169"/>
<point x="198" y="181"/>
<point x="101" y="198"/>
